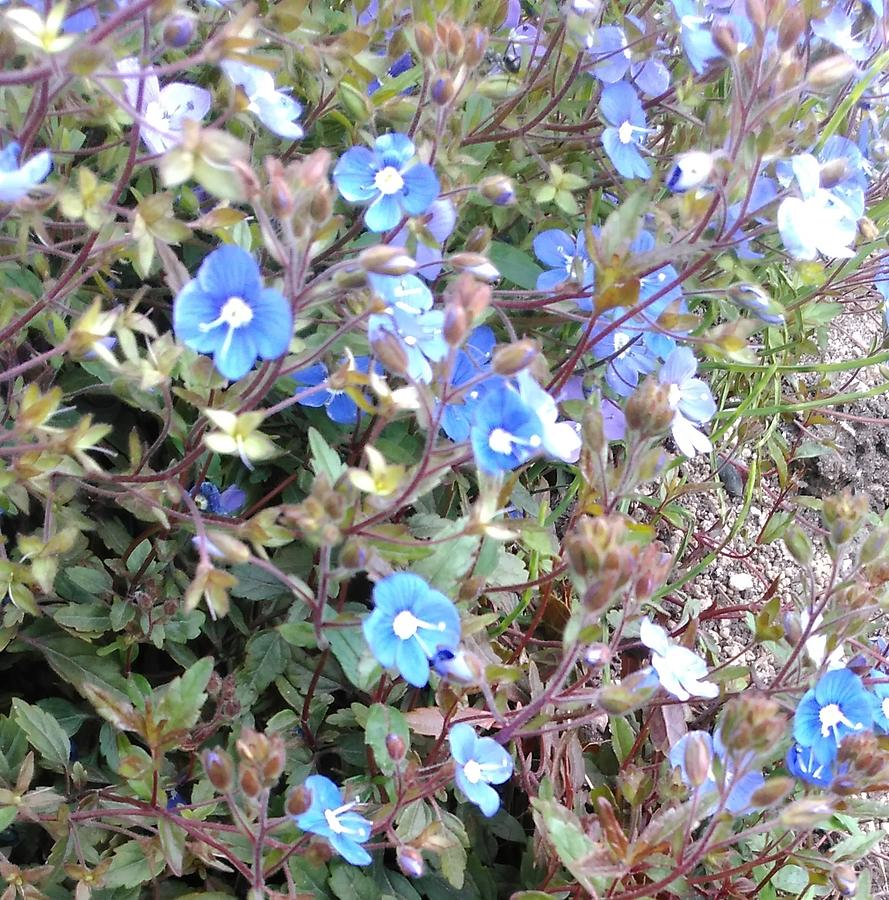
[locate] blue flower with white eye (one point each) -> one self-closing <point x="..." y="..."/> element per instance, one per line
<point x="560" y="440"/>
<point x="629" y="358"/>
<point x="481" y="762"/>
<point x="472" y="360"/>
<point x="425" y="236"/>
<point x="818" y="221"/>
<point x="690" y="399"/>
<point x="801" y="763"/>
<point x="226" y="311"/>
<point x="880" y="699"/>
<point x="277" y="110"/>
<point x="410" y="623"/>
<point x="838" y="705"/>
<point x="17" y="181"/>
<point x="622" y="110"/>
<point x="567" y="259"/>
<point x="506" y="432"/>
<point x="739" y="788"/>
<point x="338" y="405"/>
<point x="329" y="817"/>
<point x="680" y="671"/>
<point x="695" y="20"/>
<point x="389" y="179"/>
<point x="219" y="503"/>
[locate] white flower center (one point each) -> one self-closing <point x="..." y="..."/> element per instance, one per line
<point x="406" y="624"/>
<point x="831" y="716"/>
<point x="337" y="827"/>
<point x="388" y="180"/>
<point x="620" y="339"/>
<point x="473" y="772"/>
<point x="625" y="133"/>
<point x="501" y="441"/>
<point x="674" y="395"/>
<point x="885" y="707"/>
<point x="236" y="312"/>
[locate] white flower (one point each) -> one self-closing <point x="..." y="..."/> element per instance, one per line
<point x="816" y="644"/>
<point x="276" y="110"/>
<point x="561" y="440"/>
<point x="681" y="671"/>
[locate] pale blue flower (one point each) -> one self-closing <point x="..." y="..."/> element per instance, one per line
<point x="622" y="110"/>
<point x="560" y="440"/>
<point x="17" y="181"/>
<point x="680" y="671"/>
<point x="277" y="110"/>
<point x="480" y="762"/>
<point x="329" y="817"/>
<point x="566" y="258"/>
<point x="690" y="399"/>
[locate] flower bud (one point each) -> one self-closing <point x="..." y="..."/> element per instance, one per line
<point x="725" y="36"/>
<point x="832" y="172"/>
<point x="386" y="259"/>
<point x="388" y="350"/>
<point x="321" y="205"/>
<point x="756" y="12"/>
<point x="248" y="178"/>
<point x="219" y="768"/>
<point x="228" y="547"/>
<point x="249" y="781"/>
<point x="351" y="278"/>
<point x="806" y="813"/>
<point x="314" y="168"/>
<point x="461" y="667"/>
<point x="772" y="792"/>
<point x="476" y="44"/>
<point x="831" y="71"/>
<point x="879" y="150"/>
<point x="353" y="556"/>
<point x="798" y="544"/>
<point x="443" y="90"/>
<point x="280" y="197"/>
<point x="632" y="693"/>
<point x="395" y="747"/>
<point x="601" y="593"/>
<point x="478" y="240"/>
<point x="845" y="879"/>
<point x="497" y="189"/>
<point x="456" y="324"/>
<point x="456" y="42"/>
<point x="424" y="38"/>
<point x="648" y="410"/>
<point x="597" y="655"/>
<point x="690" y="170"/>
<point x="299" y="800"/>
<point x="475" y="264"/>
<point x="510" y="359"/>
<point x="793" y="629"/>
<point x="410" y="861"/>
<point x="792" y="27"/>
<point x="179" y="30"/>
<point x="867" y="229"/>
<point x="698" y="758"/>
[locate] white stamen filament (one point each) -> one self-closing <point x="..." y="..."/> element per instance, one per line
<point x="337" y="827"/>
<point x="406" y="624"/>
<point x="501" y="441"/>
<point x="831" y="716"/>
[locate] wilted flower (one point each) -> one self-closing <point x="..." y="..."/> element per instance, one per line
<point x="388" y="178"/>
<point x="277" y="110"/>
<point x="226" y="311"/>
<point x="219" y="503"/>
<point x="17" y="181"/>
<point x="410" y="623"/>
<point x="481" y="762"/>
<point x="681" y="671"/>
<point x="335" y="821"/>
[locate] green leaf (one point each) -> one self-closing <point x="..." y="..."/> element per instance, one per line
<point x="381" y="722"/>
<point x="172" y="839"/>
<point x="622" y="737"/>
<point x="267" y="657"/>
<point x="350" y="883"/>
<point x="256" y="584"/>
<point x="324" y="459"/>
<point x="577" y="851"/>
<point x="65" y="713"/>
<point x="85" y="617"/>
<point x="622" y="226"/>
<point x="350" y="649"/>
<point x="131" y="866"/>
<point x="515" y="265"/>
<point x="180" y="702"/>
<point x="298" y="634"/>
<point x="44" y="733"/>
<point x="445" y="567"/>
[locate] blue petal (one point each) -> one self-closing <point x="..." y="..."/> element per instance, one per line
<point x="652" y="77"/>
<point x="412" y="663"/>
<point x="697" y="402"/>
<point x="342" y="409"/>
<point x="496" y="761"/>
<point x="554" y="248"/>
<point x="380" y="637"/>
<point x="551" y="279"/>
<point x="398" y="592"/>
<point x="620" y="103"/>
<point x="235" y="358"/>
<point x="625" y="157"/>
<point x="420" y="190"/>
<point x="192" y="307"/>
<point x="279" y="113"/>
<point x="312" y="376"/>
<point x="455" y="423"/>
<point x="394" y="149"/>
<point x="230" y="271"/>
<point x="9" y="157"/>
<point x="272" y="325"/>
<point x="806" y="721"/>
<point x="232" y="499"/>
<point x="462" y="741"/>
<point x="349" y="850"/>
<point x="679" y="366"/>
<point x="354" y="175"/>
<point x="383" y="213"/>
<point x="481" y="794"/>
<point x="611" y="42"/>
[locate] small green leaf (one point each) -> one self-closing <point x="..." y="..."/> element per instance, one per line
<point x="381" y="722"/>
<point x="622" y="737"/>
<point x="298" y="634"/>
<point x="44" y="733"/>
<point x="324" y="458"/>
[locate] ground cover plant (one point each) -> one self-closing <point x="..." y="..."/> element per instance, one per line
<point x="362" y="363"/>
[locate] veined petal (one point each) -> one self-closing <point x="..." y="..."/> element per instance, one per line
<point x="420" y="190"/>
<point x="554" y="248"/>
<point x="230" y="271"/>
<point x="380" y="637"/>
<point x="412" y="663"/>
<point x="354" y="175"/>
<point x="192" y="308"/>
<point x="234" y="358"/>
<point x="462" y="740"/>
<point x="272" y="325"/>
<point x="351" y="851"/>
<point x="394" y="149"/>
<point x="383" y="213"/>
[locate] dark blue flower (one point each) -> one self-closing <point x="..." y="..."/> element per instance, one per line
<point x="401" y="65"/>
<point x="17" y="181"/>
<point x="454" y="666"/>
<point x="567" y="259"/>
<point x="622" y="110"/>
<point x="226" y="311"/>
<point x="334" y="820"/>
<point x="506" y="432"/>
<point x="410" y="623"/>
<point x="481" y="762"/>
<point x="338" y="405"/>
<point x="838" y="705"/>
<point x="219" y="503"/>
<point x="389" y="179"/>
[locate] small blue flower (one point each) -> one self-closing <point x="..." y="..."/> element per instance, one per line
<point x="338" y="405"/>
<point x="17" y="181"/>
<point x="399" y="67"/>
<point x="388" y="178"/>
<point x="481" y="762"/>
<point x="622" y="110"/>
<point x="567" y="259"/>
<point x="334" y="820"/>
<point x="608" y="46"/>
<point x="437" y="224"/>
<point x="880" y="701"/>
<point x="226" y="311"/>
<point x="740" y="789"/>
<point x="629" y="358"/>
<point x="801" y="763"/>
<point x="838" y="705"/>
<point x="410" y="623"/>
<point x="836" y="28"/>
<point x="175" y="800"/>
<point x="505" y="432"/>
<point x="560" y="440"/>
<point x="277" y="110"/>
<point x="690" y="399"/>
<point x="472" y="360"/>
<point x="219" y="503"/>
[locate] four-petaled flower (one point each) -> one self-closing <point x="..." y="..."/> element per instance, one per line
<point x="690" y="399"/>
<point x="226" y="311"/>
<point x="567" y="259"/>
<point x="16" y="181"/>
<point x="410" y="623"/>
<point x="388" y="178"/>
<point x="505" y="433"/>
<point x="329" y="817"/>
<point x="622" y="110"/>
<point x="338" y="404"/>
<point x="838" y="705"/>
<point x="680" y="671"/>
<point x="481" y="762"/>
<point x="219" y="503"/>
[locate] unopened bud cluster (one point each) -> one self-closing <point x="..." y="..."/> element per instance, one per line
<point x="752" y="722"/>
<point x="843" y="515"/>
<point x="319" y="517"/>
<point x="648" y="411"/>
<point x="262" y="759"/>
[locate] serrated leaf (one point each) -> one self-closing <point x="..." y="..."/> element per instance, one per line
<point x="267" y="657"/>
<point x="325" y="460"/>
<point x="44" y="733"/>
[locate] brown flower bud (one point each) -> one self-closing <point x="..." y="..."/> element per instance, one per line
<point x="725" y="36"/>
<point x="756" y="12"/>
<point x="353" y="556"/>
<point x="476" y="44"/>
<point x="510" y="359"/>
<point x="698" y="758"/>
<point x="386" y="259"/>
<point x="442" y="90"/>
<point x="395" y="747"/>
<point x="874" y="546"/>
<point x="868" y="229"/>
<point x="219" y="768"/>
<point x="456" y="42"/>
<point x="798" y="544"/>
<point x="476" y="264"/>
<point x="321" y="206"/>
<point x="497" y="189"/>
<point x="299" y="800"/>
<point x="388" y="350"/>
<point x="250" y="782"/>
<point x="314" y="168"/>
<point x="478" y="240"/>
<point x="410" y="861"/>
<point x="456" y="324"/>
<point x="281" y="198"/>
<point x="648" y="411"/>
<point x="601" y="593"/>
<point x="248" y="178"/>
<point x="424" y="38"/>
<point x="772" y="792"/>
<point x="833" y="172"/>
<point x="792" y="27"/>
<point x="831" y="71"/>
<point x="845" y="879"/>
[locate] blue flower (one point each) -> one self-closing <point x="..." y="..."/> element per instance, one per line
<point x="560" y="440"/>
<point x="400" y="66"/>
<point x="622" y="110"/>
<point x="690" y="399"/>
<point x="801" y="763"/>
<point x="505" y="432"/>
<point x="680" y="671"/>
<point x="836" y="28"/>
<point x="334" y="820"/>
<point x="740" y="788"/>
<point x="628" y="356"/>
<point x="219" y="503"/>
<point x="472" y="360"/>
<point x="608" y="45"/>
<point x="481" y="762"/>
<point x="567" y="259"/>
<point x="338" y="405"/>
<point x="850" y="185"/>
<point x="690" y="170"/>
<point x="388" y="178"/>
<point x="410" y="623"/>
<point x="276" y="110"/>
<point x="425" y="236"/>
<point x="880" y="701"/>
<point x="838" y="705"/>
<point x="226" y="311"/>
<point x="17" y="181"/>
